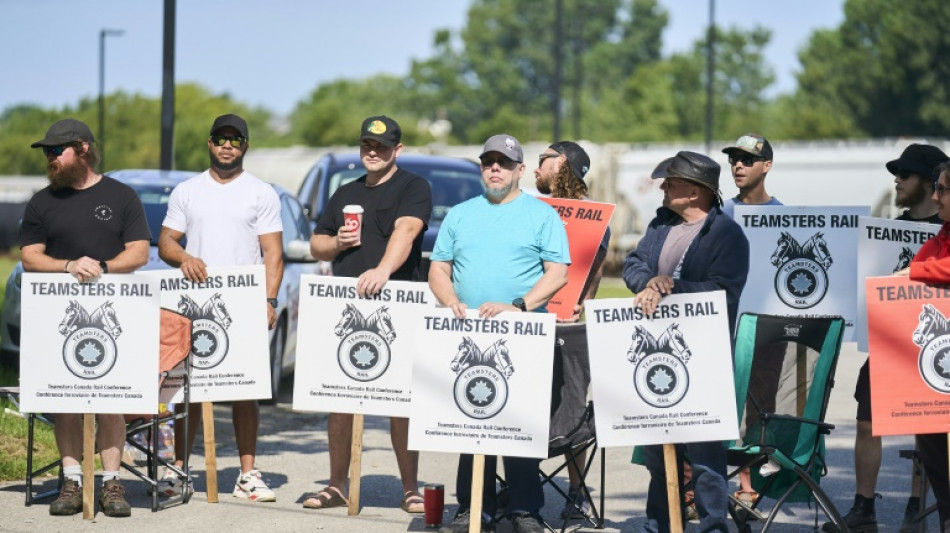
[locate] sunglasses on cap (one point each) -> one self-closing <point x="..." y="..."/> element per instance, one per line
<point x="503" y="162"/>
<point x="746" y="159"/>
<point x="236" y="141"/>
<point x="55" y="151"/>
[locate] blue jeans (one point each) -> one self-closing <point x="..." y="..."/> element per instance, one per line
<point x="524" y="482"/>
<point x="708" y="460"/>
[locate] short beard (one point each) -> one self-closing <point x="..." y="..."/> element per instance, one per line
<point x="912" y="198"/>
<point x="66" y="176"/>
<point x="226" y="167"/>
<point x="500" y="194"/>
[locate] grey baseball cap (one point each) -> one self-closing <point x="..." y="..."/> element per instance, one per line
<point x="506" y="145"/>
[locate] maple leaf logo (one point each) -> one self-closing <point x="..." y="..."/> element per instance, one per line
<point x="801" y="283"/>
<point x="944" y="364"/>
<point x="364" y="356"/>
<point x="89" y="353"/>
<point x="661" y="380"/>
<point x="203" y="344"/>
<point x="480" y="392"/>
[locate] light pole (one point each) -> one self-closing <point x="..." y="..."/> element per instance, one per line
<point x="102" y="92"/>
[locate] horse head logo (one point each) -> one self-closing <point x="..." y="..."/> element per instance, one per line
<point x="786" y="248"/>
<point x="670" y="341"/>
<point x="817" y="249"/>
<point x="216" y="308"/>
<point x="904" y="259"/>
<point x="496" y="356"/>
<point x="75" y="316"/>
<point x="931" y="323"/>
<point x="383" y="323"/>
<point x="352" y="319"/>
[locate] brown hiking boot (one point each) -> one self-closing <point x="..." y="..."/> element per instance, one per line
<point x="69" y="500"/>
<point x="112" y="499"/>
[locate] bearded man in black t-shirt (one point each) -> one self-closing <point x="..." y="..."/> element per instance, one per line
<point x="387" y="245"/>
<point x="84" y="224"/>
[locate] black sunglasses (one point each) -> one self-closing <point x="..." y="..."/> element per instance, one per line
<point x="55" y="151"/>
<point x="747" y="160"/>
<point x="503" y="162"/>
<point x="236" y="141"/>
<point x="542" y="157"/>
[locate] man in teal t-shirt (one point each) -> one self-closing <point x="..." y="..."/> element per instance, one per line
<point x="502" y="251"/>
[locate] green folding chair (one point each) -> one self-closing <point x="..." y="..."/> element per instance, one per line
<point x="784" y="373"/>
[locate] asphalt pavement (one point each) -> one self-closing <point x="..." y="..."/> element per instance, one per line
<point x="292" y="453"/>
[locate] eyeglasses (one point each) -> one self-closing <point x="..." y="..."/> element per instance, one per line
<point x="747" y="160"/>
<point x="236" y="141"/>
<point x="503" y="162"/>
<point x="542" y="157"/>
<point x="941" y="190"/>
<point x="55" y="151"/>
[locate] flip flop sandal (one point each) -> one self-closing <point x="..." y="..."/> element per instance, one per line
<point x="327" y="498"/>
<point x="745" y="500"/>
<point x="413" y="503"/>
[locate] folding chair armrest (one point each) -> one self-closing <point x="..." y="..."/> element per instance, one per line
<point x="823" y="427"/>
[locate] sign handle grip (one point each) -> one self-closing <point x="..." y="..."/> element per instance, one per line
<point x="478" y="484"/>
<point x="211" y="460"/>
<point x="673" y="488"/>
<point x="356" y="463"/>
<point x="88" y="466"/>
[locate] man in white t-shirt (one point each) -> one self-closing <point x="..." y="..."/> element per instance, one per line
<point x="231" y="218"/>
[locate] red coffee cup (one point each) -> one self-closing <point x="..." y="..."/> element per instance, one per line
<point x="353" y="218"/>
<point x="434" y="496"/>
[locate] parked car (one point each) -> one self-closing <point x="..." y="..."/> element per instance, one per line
<point x="154" y="188"/>
<point x="453" y="181"/>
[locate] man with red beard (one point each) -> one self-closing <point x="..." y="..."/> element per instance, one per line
<point x="85" y="224"/>
<point x="231" y="218"/>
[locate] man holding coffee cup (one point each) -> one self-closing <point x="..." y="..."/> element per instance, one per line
<point x="392" y="208"/>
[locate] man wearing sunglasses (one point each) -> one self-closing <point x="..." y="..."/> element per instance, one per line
<point x="501" y="251"/>
<point x="750" y="159"/>
<point x="230" y="218"/>
<point x="386" y="245"/>
<point x="915" y="177"/>
<point x="690" y="246"/>
<point x="85" y="224"/>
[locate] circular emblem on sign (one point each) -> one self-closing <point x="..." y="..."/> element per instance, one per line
<point x="934" y="364"/>
<point x="209" y="344"/>
<point x="89" y="353"/>
<point x="801" y="283"/>
<point x="661" y="379"/>
<point x="103" y="212"/>
<point x="363" y="355"/>
<point x="481" y="391"/>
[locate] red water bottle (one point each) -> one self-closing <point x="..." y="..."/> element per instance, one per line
<point x="434" y="504"/>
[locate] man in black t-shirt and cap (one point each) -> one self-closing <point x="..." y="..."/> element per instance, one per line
<point x="84" y="224"/>
<point x="386" y="245"/>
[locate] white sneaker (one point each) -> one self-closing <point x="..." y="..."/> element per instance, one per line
<point x="170" y="485"/>
<point x="250" y="486"/>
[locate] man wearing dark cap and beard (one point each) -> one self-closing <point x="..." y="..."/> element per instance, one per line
<point x="560" y="173"/>
<point x="689" y="247"/>
<point x="915" y="175"/>
<point x="387" y="245"/>
<point x="85" y="224"/>
<point x="230" y="218"/>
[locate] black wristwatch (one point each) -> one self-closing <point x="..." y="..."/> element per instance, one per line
<point x="272" y="302"/>
<point x="519" y="303"/>
<point x="104" y="267"/>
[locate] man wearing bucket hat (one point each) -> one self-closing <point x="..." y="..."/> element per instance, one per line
<point x="915" y="175"/>
<point x="750" y="159"/>
<point x="84" y="224"/>
<point x="386" y="245"/>
<point x="690" y="246"/>
<point x="518" y="267"/>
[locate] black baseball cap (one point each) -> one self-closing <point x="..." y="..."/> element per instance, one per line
<point x="381" y="129"/>
<point x="65" y="131"/>
<point x="230" y="120"/>
<point x="921" y="159"/>
<point x="577" y="158"/>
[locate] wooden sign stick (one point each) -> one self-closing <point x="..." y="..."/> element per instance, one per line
<point x="478" y="484"/>
<point x="88" y="466"/>
<point x="673" y="488"/>
<point x="356" y="465"/>
<point x="211" y="460"/>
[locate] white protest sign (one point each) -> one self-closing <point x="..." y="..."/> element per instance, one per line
<point x="230" y="356"/>
<point x="884" y="247"/>
<point x="665" y="378"/>
<point x="483" y="386"/>
<point x="89" y="347"/>
<point x="354" y="355"/>
<point x="802" y="261"/>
